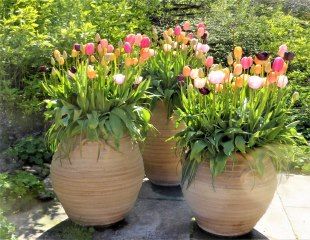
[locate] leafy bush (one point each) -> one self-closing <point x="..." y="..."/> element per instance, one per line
<point x="31" y="150"/>
<point x="7" y="229"/>
<point x="17" y="188"/>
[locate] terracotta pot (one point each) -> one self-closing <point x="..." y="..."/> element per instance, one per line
<point x="162" y="164"/>
<point x="236" y="202"/>
<point x="98" y="191"/>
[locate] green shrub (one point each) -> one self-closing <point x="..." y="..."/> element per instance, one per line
<point x="7" y="229"/>
<point x="31" y="150"/>
<point x="18" y="188"/>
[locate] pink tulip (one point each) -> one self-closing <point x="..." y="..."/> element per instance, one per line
<point x="282" y="50"/>
<point x="119" y="78"/>
<point x="202" y="25"/>
<point x="89" y="49"/>
<point x="216" y="77"/>
<point x="127" y="47"/>
<point x="138" y="39"/>
<point x="186" y="26"/>
<point x="177" y="30"/>
<point x="104" y="43"/>
<point x="209" y="62"/>
<point x="200" y="31"/>
<point x="145" y="42"/>
<point x="110" y="48"/>
<point x="277" y="64"/>
<point x="255" y="82"/>
<point x="190" y="35"/>
<point x="130" y="38"/>
<point x="205" y="48"/>
<point x="194" y="73"/>
<point x="246" y="62"/>
<point x="282" y="81"/>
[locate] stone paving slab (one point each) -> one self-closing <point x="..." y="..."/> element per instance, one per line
<point x="162" y="214"/>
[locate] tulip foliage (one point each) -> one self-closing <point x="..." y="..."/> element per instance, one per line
<point x="235" y="110"/>
<point x="96" y="93"/>
<point x="178" y="47"/>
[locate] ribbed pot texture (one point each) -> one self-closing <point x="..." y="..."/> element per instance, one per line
<point x="162" y="164"/>
<point x="97" y="192"/>
<point x="237" y="201"/>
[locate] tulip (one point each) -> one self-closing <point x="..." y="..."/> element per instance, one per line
<point x="200" y="32"/>
<point x="56" y="54"/>
<point x="209" y="61"/>
<point x="186" y="26"/>
<point x="91" y="73"/>
<point x="93" y="59"/>
<point x="283" y="70"/>
<point x="238" y="52"/>
<point x="43" y="69"/>
<point x="144" y="54"/>
<point x="289" y="56"/>
<point x="65" y="55"/>
<point x="135" y="61"/>
<point x="61" y="61"/>
<point x="194" y="73"/>
<point x="268" y="67"/>
<point x="237" y="69"/>
<point x="73" y="69"/>
<point x="77" y="47"/>
<point x="119" y="78"/>
<point x="216" y="77"/>
<point x="295" y="97"/>
<point x="152" y="52"/>
<point x="239" y="82"/>
<point x="205" y="48"/>
<point x="255" y="82"/>
<point x="127" y="47"/>
<point x="201" y="74"/>
<point x="202" y="25"/>
<point x="128" y="62"/>
<point x="262" y="56"/>
<point x="54" y="71"/>
<point x="89" y="49"/>
<point x="257" y="69"/>
<point x="272" y="77"/>
<point x="277" y="64"/>
<point x="138" y="39"/>
<point x="282" y="50"/>
<point x="167" y="47"/>
<point x="97" y="38"/>
<point x="218" y="87"/>
<point x="100" y="49"/>
<point x="138" y="80"/>
<point x="226" y="71"/>
<point x="177" y="30"/>
<point x="200" y="82"/>
<point x="74" y="53"/>
<point x="104" y="43"/>
<point x="204" y="91"/>
<point x="186" y="71"/>
<point x="145" y="42"/>
<point x="170" y="31"/>
<point x="110" y="48"/>
<point x="190" y="35"/>
<point x="181" y="79"/>
<point x="246" y="62"/>
<point x="282" y="81"/>
<point x="130" y="38"/>
<point x="230" y="59"/>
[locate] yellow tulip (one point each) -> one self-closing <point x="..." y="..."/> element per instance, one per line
<point x="238" y="52"/>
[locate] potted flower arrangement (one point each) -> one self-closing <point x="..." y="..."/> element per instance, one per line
<point x="238" y="133"/>
<point x="97" y="118"/>
<point x="178" y="47"/>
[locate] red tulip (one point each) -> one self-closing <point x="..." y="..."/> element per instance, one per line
<point x="277" y="64"/>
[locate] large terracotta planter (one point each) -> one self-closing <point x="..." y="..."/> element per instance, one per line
<point x="161" y="162"/>
<point x="236" y="202"/>
<point x="98" y="191"/>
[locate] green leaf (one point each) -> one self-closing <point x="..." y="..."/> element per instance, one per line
<point x="117" y="126"/>
<point x="228" y="147"/>
<point x="197" y="147"/>
<point x="76" y="114"/>
<point x="240" y="143"/>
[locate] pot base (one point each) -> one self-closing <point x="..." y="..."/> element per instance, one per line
<point x="165" y="184"/>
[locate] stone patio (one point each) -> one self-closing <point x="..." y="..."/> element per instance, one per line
<point x="162" y="214"/>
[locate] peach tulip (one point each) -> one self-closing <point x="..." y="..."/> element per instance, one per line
<point x="272" y="77"/>
<point x="194" y="73"/>
<point x="186" y="71"/>
<point x="200" y="31"/>
<point x="200" y="82"/>
<point x="237" y="69"/>
<point x="104" y="43"/>
<point x="239" y="82"/>
<point x="257" y="69"/>
<point x="91" y="73"/>
<point x="186" y="26"/>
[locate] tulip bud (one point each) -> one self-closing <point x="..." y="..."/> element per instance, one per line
<point x="200" y="82"/>
<point x="65" y="55"/>
<point x="238" y="52"/>
<point x="295" y="97"/>
<point x="257" y="69"/>
<point x="73" y="69"/>
<point x="237" y="69"/>
<point x="167" y="47"/>
<point x="54" y="71"/>
<point x="186" y="71"/>
<point x="52" y="61"/>
<point x="181" y="79"/>
<point x="97" y="38"/>
<point x="61" y="61"/>
<point x="93" y="59"/>
<point x="110" y="48"/>
<point x="119" y="79"/>
<point x="104" y="43"/>
<point x="190" y="87"/>
<point x="277" y="64"/>
<point x="230" y="59"/>
<point x="74" y="53"/>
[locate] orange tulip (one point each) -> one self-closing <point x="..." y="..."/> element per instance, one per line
<point x="257" y="69"/>
<point x="128" y="62"/>
<point x="91" y="73"/>
<point x="239" y="82"/>
<point x="272" y="77"/>
<point x="238" y="69"/>
<point x="186" y="71"/>
<point x="218" y="87"/>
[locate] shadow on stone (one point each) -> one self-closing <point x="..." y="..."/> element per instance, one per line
<point x="115" y="226"/>
<point x="174" y="191"/>
<point x="197" y="233"/>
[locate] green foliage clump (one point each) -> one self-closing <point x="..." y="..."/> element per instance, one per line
<point x="31" y="150"/>
<point x="7" y="229"/>
<point x="16" y="188"/>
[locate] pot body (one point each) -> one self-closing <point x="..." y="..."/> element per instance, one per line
<point x="98" y="191"/>
<point x="161" y="162"/>
<point x="237" y="199"/>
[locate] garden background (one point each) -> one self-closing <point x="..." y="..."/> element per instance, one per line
<point x="31" y="29"/>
